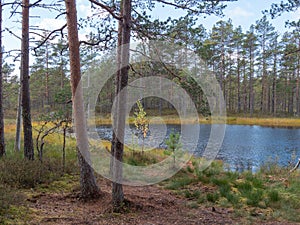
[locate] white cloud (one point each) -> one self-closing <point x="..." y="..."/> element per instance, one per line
<point x="296" y="15"/>
<point x="83" y="37"/>
<point x="85" y="10"/>
<point x="51" y="24"/>
<point x="239" y="12"/>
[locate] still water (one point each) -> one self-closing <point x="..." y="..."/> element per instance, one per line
<point x="243" y="147"/>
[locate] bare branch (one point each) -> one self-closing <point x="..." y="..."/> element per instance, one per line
<point x="178" y="6"/>
<point x="107" y="8"/>
<point x="63" y="13"/>
<point x="105" y="40"/>
<point x="14" y="10"/>
<point x="12" y="33"/>
<point x="35" y="3"/>
<point x="90" y="43"/>
<point x="9" y="3"/>
<point x="49" y="35"/>
<point x="32" y="32"/>
<point x="296" y="166"/>
<point x="16" y="57"/>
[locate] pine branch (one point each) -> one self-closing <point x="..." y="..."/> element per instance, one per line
<point x="177" y="5"/>
<point x="49" y="35"/>
<point x="107" y="8"/>
<point x="12" y="33"/>
<point x="35" y="3"/>
<point x="292" y="52"/>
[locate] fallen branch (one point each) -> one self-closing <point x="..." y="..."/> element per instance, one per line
<point x="296" y="167"/>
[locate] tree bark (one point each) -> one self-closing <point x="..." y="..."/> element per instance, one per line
<point x="297" y="82"/>
<point x="18" y="122"/>
<point x="251" y="94"/>
<point x="117" y="188"/>
<point x="88" y="185"/>
<point x="274" y="97"/>
<point x="239" y="85"/>
<point x="26" y="114"/>
<point x="2" y="143"/>
<point x="117" y="87"/>
<point x="47" y="79"/>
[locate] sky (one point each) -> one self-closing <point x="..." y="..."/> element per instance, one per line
<point x="242" y="12"/>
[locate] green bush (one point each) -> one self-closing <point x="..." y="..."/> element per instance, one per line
<point x="212" y="197"/>
<point x="179" y="183"/>
<point x="254" y="179"/>
<point x="245" y="188"/>
<point x="254" y="197"/>
<point x="273" y="196"/>
<point x="23" y="173"/>
<point x="8" y="198"/>
<point x="224" y="190"/>
<point x="192" y="194"/>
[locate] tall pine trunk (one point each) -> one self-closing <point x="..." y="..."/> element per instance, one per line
<point x="274" y="97"/>
<point x="88" y="185"/>
<point x="122" y="81"/>
<point x="251" y="94"/>
<point x="2" y="143"/>
<point x="26" y="114"/>
<point x="238" y="85"/>
<point x="18" y="122"/>
<point x="297" y="82"/>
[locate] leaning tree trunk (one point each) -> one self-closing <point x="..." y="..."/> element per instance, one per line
<point x="117" y="189"/>
<point x="26" y="114"/>
<point x="89" y="188"/>
<point x="2" y="143"/>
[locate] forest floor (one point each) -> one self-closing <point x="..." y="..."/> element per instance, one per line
<point x="38" y="193"/>
<point x="145" y="205"/>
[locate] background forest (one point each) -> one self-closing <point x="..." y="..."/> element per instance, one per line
<point x="258" y="70"/>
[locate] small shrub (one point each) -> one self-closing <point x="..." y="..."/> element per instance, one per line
<point x="255" y="197"/>
<point x="220" y="182"/>
<point x="232" y="176"/>
<point x="214" y="169"/>
<point x="190" y="170"/>
<point x="179" y="183"/>
<point x="192" y="194"/>
<point x="212" y="197"/>
<point x="271" y="167"/>
<point x="224" y="190"/>
<point x="245" y="188"/>
<point x="8" y="198"/>
<point x="273" y="196"/>
<point x="174" y="145"/>
<point x="203" y="178"/>
<point x="201" y="199"/>
<point x="232" y="198"/>
<point x="256" y="181"/>
<point x="193" y="205"/>
<point x="22" y="173"/>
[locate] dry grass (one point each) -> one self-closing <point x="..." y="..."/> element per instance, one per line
<point x="276" y="122"/>
<point x="173" y="119"/>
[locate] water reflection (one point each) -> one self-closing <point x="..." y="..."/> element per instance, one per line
<point x="243" y="148"/>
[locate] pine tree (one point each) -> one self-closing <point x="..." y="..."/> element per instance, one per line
<point x="265" y="33"/>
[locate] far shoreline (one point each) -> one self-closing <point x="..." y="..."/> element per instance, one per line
<point x="230" y="120"/>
